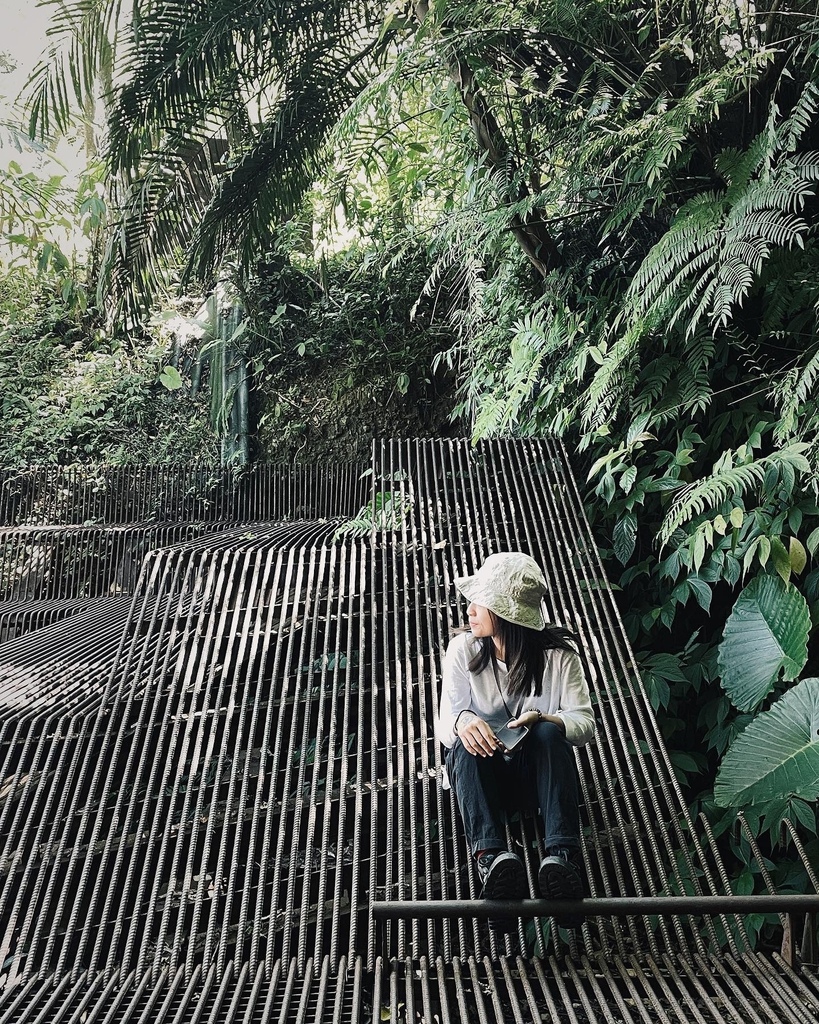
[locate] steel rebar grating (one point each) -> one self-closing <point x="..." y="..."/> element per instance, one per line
<point x="73" y="535"/>
<point x="206" y="781"/>
<point x="85" y="496"/>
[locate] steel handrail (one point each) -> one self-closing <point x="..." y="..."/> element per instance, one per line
<point x="619" y="906"/>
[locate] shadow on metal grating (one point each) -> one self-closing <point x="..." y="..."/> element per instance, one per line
<point x="217" y="755"/>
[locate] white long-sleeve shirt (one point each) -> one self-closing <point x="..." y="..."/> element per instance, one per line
<point x="564" y="693"/>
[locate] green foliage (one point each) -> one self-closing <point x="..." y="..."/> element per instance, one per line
<point x="390" y="154"/>
<point x="714" y="252"/>
<point x="170" y="378"/>
<point x="47" y="227"/>
<point x="730" y="481"/>
<point x="386" y="511"/>
<point x="82" y="41"/>
<point x="335" y="350"/>
<point x="73" y="394"/>
<point x="217" y="115"/>
<point x="669" y="331"/>
<point x="777" y="755"/>
<point x="765" y="635"/>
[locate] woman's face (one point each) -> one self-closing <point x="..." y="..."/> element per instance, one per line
<point x="481" y="620"/>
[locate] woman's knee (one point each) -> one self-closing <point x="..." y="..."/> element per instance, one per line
<point x="456" y="753"/>
<point x="548" y="735"/>
<point x="459" y="760"/>
<point x="467" y="769"/>
<point x="548" y="732"/>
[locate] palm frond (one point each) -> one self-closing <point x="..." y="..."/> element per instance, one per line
<point x="83" y="37"/>
<point x="371" y="118"/>
<point x="189" y="60"/>
<point x="268" y="182"/>
<point x="189" y="73"/>
<point x="154" y="218"/>
<point x="26" y="200"/>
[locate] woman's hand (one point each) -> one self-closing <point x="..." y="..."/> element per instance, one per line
<point x="531" y="718"/>
<point x="478" y="738"/>
<point x="528" y="718"/>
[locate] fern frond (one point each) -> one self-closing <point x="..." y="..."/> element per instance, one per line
<point x="698" y="302"/>
<point x="801" y="117"/>
<point x="626" y="212"/>
<point x="609" y="388"/>
<point x="695" y="391"/>
<point x="806" y="164"/>
<point x="388" y="511"/>
<point x="770" y="225"/>
<point x="699" y="350"/>
<point x="653" y="382"/>
<point x="738" y="277"/>
<point x="793" y="392"/>
<point x="712" y="255"/>
<point x="730" y="482"/>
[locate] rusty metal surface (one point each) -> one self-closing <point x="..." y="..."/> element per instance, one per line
<point x="112" y="496"/>
<point x="206" y="781"/>
<point x="589" y="990"/>
<point x="72" y="535"/>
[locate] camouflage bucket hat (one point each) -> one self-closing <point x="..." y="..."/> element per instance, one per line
<point x="511" y="585"/>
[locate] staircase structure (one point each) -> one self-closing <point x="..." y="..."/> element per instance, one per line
<point x="217" y="696"/>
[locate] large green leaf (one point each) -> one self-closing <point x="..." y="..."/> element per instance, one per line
<point x="777" y="755"/>
<point x="766" y="633"/>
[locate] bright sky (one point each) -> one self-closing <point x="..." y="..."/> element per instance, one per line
<point x="23" y="39"/>
<point x="23" y="26"/>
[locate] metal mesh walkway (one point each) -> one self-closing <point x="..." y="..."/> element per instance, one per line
<point x="212" y="771"/>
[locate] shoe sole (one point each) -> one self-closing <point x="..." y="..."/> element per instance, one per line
<point x="506" y="881"/>
<point x="558" y="880"/>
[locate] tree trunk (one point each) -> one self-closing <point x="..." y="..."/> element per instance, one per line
<point x="533" y="234"/>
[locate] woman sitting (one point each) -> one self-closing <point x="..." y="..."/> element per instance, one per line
<point x="514" y="703"/>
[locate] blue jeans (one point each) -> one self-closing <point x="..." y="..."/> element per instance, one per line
<point x="542" y="773"/>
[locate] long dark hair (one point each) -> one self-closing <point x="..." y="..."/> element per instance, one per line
<point x="524" y="651"/>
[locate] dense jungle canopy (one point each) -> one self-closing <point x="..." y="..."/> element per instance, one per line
<point x="307" y="222"/>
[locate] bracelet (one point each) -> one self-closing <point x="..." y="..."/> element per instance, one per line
<point x="537" y="711"/>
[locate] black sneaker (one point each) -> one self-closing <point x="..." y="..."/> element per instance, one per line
<point x="504" y="878"/>
<point x="560" y="879"/>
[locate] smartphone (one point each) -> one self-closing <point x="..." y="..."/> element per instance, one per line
<point x="510" y="738"/>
